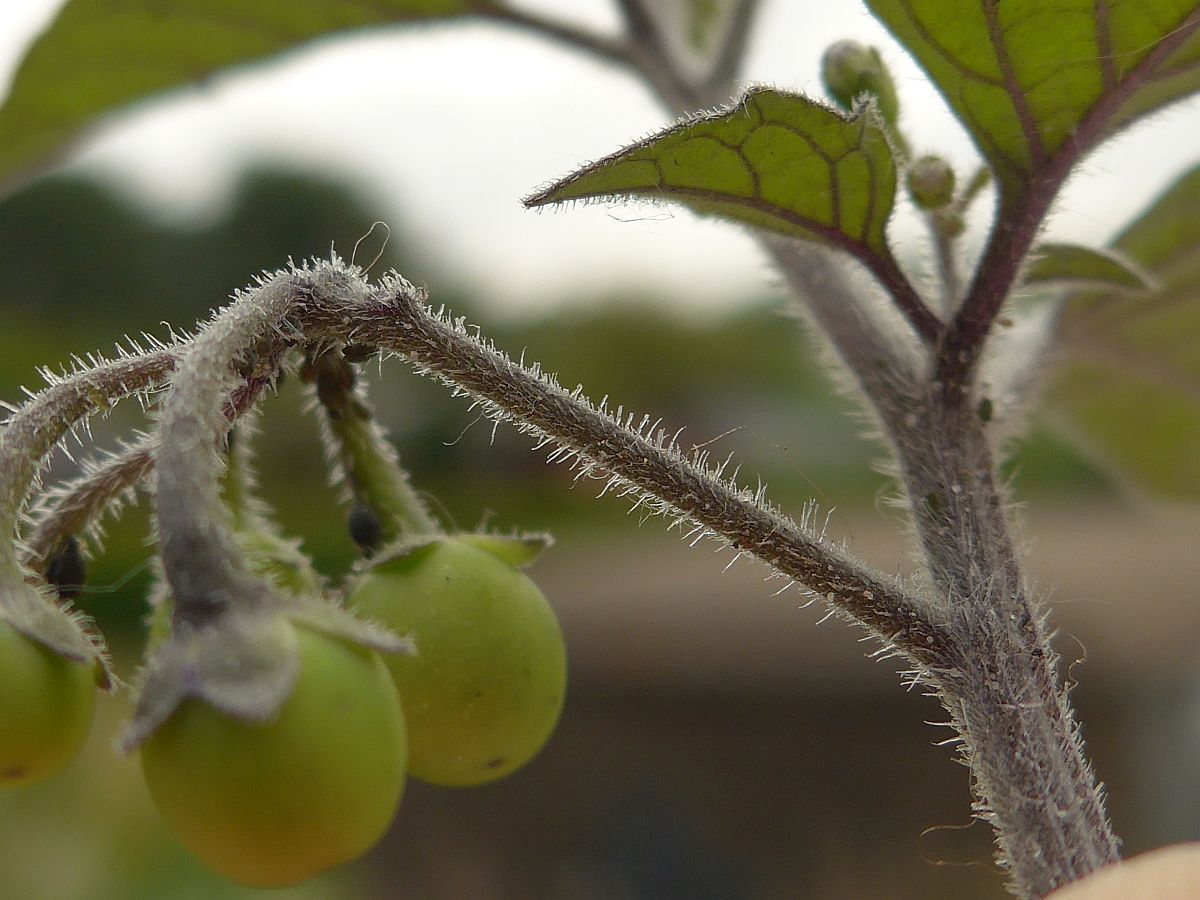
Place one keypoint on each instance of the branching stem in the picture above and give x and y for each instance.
(650, 467)
(362, 453)
(563, 33)
(73, 506)
(1027, 762)
(203, 564)
(1021, 216)
(33, 430)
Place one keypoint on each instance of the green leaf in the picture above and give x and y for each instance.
(1084, 265)
(1039, 84)
(99, 55)
(1147, 432)
(1131, 383)
(773, 160)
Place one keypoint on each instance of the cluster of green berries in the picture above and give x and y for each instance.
(272, 803)
(275, 803)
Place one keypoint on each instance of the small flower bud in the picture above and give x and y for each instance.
(365, 528)
(931, 182)
(850, 69)
(951, 223)
(66, 571)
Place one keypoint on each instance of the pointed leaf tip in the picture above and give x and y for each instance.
(518, 549)
(774, 160)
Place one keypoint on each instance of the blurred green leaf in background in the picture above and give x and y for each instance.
(99, 55)
(1130, 389)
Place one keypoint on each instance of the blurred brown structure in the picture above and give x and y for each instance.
(718, 744)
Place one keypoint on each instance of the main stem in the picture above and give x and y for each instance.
(1029, 771)
(1030, 777)
(648, 465)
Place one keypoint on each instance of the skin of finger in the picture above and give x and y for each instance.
(1171, 873)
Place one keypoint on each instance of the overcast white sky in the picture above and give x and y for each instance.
(446, 127)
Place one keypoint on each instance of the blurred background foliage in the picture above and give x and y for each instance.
(717, 764)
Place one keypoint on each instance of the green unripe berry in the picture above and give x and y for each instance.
(485, 689)
(931, 182)
(850, 69)
(46, 707)
(272, 804)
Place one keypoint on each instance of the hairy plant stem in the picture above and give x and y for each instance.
(33, 430)
(233, 642)
(873, 343)
(361, 454)
(73, 507)
(651, 468)
(1029, 772)
(1020, 738)
(980, 642)
(81, 501)
(204, 566)
(28, 435)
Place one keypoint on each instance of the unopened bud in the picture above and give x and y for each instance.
(850, 69)
(365, 528)
(931, 182)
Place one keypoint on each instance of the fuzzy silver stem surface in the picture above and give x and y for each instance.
(649, 467)
(1032, 780)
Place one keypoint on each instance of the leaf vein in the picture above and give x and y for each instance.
(1108, 72)
(1020, 102)
(955, 62)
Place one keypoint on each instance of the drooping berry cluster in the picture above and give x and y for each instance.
(275, 728)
